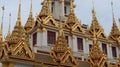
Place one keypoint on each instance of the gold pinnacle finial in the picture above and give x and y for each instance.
(71, 6)
(19, 15)
(9, 24)
(31, 9)
(19, 11)
(1, 30)
(45, 3)
(93, 9)
(113, 12)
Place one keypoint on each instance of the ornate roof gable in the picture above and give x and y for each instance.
(22, 50)
(45, 16)
(72, 22)
(96, 56)
(115, 33)
(61, 51)
(95, 26)
(17, 42)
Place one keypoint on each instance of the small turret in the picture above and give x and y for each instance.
(19, 32)
(30, 22)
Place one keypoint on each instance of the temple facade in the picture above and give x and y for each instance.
(58, 39)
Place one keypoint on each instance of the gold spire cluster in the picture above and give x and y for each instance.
(30, 22)
(16, 44)
(115, 33)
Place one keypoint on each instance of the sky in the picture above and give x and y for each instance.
(83, 12)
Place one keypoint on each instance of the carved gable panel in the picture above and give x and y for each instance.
(23, 50)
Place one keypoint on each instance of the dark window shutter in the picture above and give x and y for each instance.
(90, 46)
(51, 37)
(34, 38)
(114, 53)
(67, 39)
(80, 44)
(104, 48)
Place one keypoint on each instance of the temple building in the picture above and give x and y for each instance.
(56, 38)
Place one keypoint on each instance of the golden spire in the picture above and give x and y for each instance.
(8, 34)
(115, 33)
(1, 29)
(19, 15)
(30, 22)
(9, 24)
(31, 9)
(96, 57)
(93, 11)
(95, 26)
(71, 6)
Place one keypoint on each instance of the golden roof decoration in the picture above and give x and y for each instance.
(45, 10)
(72, 22)
(96, 57)
(96, 26)
(19, 32)
(1, 26)
(61, 51)
(45, 17)
(22, 50)
(8, 34)
(115, 33)
(30, 22)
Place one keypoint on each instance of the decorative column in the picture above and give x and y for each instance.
(74, 43)
(38, 37)
(44, 37)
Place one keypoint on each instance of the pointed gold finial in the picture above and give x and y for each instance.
(31, 9)
(93, 10)
(45, 3)
(1, 30)
(71, 6)
(8, 34)
(19, 11)
(19, 15)
(113, 12)
(9, 24)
